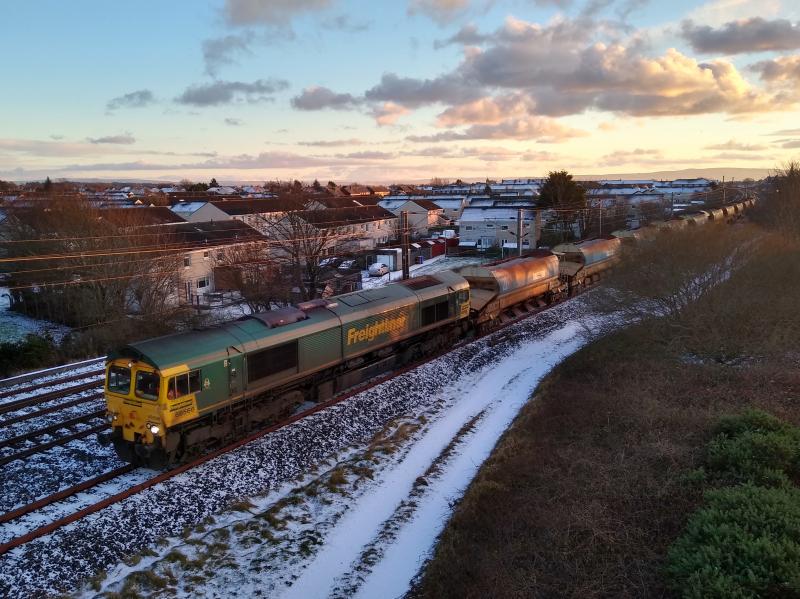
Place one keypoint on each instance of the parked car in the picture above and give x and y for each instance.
(330, 262)
(378, 269)
(349, 265)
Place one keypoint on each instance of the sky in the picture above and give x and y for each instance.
(359, 90)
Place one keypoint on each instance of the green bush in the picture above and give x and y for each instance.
(750, 420)
(754, 447)
(744, 543)
(31, 352)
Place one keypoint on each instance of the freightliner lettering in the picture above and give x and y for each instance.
(369, 332)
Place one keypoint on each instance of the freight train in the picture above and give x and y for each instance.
(180, 394)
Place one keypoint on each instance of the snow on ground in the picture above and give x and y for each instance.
(434, 265)
(14, 327)
(351, 493)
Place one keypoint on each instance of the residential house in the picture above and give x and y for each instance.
(487, 227)
(205, 246)
(327, 202)
(126, 219)
(199, 212)
(422, 214)
(352, 229)
(261, 214)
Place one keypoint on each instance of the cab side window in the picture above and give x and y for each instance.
(184, 384)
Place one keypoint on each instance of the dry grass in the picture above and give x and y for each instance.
(586, 491)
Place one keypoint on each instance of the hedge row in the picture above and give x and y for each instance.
(745, 540)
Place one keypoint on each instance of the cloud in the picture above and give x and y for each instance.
(57, 137)
(629, 156)
(747, 35)
(261, 161)
(42, 148)
(442, 11)
(269, 12)
(735, 156)
(345, 23)
(138, 99)
(561, 69)
(264, 160)
(735, 145)
(387, 113)
(220, 51)
(468, 35)
(783, 70)
(530, 127)
(232, 122)
(413, 93)
(225, 92)
(488, 110)
(320, 98)
(785, 132)
(122, 139)
(367, 155)
(331, 143)
(792, 144)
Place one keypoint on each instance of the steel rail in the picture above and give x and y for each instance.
(51, 429)
(50, 410)
(108, 501)
(50, 444)
(69, 379)
(29, 401)
(64, 494)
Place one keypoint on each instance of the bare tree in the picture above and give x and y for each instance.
(300, 245)
(70, 262)
(661, 276)
(252, 270)
(780, 205)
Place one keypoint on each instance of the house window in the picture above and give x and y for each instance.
(468, 228)
(205, 255)
(201, 283)
(187, 261)
(504, 227)
(489, 226)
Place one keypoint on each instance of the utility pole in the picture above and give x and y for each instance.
(723, 190)
(601, 218)
(519, 231)
(406, 242)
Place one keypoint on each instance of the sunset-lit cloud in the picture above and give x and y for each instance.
(461, 88)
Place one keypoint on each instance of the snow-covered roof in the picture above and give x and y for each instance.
(393, 203)
(187, 207)
(472, 214)
(448, 203)
(640, 182)
(223, 191)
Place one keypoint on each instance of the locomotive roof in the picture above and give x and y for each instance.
(195, 348)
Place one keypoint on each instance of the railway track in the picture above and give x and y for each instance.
(49, 430)
(37, 387)
(13, 406)
(531, 310)
(51, 409)
(34, 506)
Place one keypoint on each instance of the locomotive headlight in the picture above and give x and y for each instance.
(111, 417)
(155, 429)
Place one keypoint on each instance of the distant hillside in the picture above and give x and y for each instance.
(688, 173)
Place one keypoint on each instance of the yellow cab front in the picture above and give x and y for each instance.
(133, 390)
